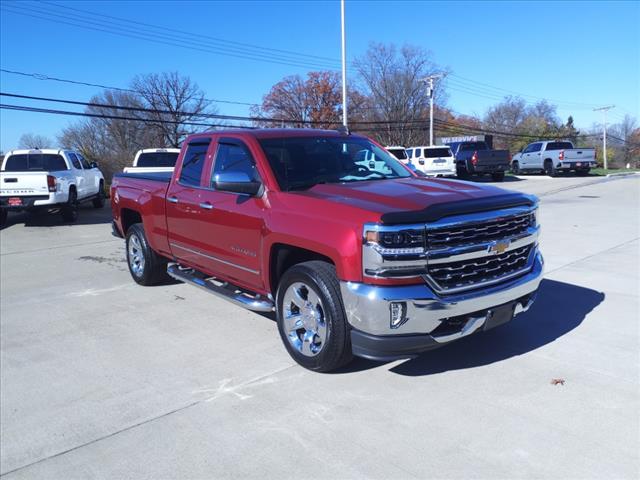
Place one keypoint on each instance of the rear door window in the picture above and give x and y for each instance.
(193, 163)
(45, 162)
(74, 161)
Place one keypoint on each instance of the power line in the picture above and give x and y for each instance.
(114, 29)
(41, 76)
(182, 32)
(24, 108)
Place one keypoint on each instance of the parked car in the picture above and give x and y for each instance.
(49, 179)
(436, 160)
(552, 157)
(476, 158)
(399, 152)
(373, 262)
(151, 160)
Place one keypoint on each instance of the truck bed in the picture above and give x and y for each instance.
(164, 177)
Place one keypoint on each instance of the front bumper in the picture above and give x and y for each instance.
(430, 320)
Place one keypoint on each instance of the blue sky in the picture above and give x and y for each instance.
(576, 54)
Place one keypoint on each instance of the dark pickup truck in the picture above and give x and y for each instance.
(355, 259)
(476, 158)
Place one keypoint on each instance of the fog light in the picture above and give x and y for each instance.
(397, 314)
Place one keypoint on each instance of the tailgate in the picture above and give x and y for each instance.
(23, 184)
(580, 155)
(487, 158)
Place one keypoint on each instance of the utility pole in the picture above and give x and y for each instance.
(429, 80)
(604, 111)
(344, 67)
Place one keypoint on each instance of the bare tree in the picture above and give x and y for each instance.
(111, 141)
(625, 136)
(33, 140)
(392, 80)
(175, 100)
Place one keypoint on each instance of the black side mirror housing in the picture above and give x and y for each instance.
(93, 164)
(237, 182)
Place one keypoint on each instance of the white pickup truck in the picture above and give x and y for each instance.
(552, 157)
(48, 179)
(154, 160)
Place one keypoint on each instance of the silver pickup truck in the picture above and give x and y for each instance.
(552, 157)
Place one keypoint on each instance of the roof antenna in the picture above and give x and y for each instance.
(344, 130)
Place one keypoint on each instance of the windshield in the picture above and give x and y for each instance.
(399, 153)
(468, 146)
(302, 162)
(559, 146)
(437, 152)
(45, 162)
(157, 159)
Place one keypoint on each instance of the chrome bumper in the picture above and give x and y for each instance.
(368, 306)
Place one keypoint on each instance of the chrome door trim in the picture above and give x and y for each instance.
(216, 259)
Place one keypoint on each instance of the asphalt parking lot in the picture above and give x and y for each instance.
(101, 378)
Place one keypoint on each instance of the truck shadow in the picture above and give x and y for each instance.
(87, 215)
(487, 179)
(559, 308)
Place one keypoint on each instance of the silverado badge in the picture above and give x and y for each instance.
(498, 247)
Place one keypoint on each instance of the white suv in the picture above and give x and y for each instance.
(46, 179)
(437, 160)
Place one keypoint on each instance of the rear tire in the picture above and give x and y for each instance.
(98, 202)
(497, 177)
(549, 169)
(3, 217)
(70, 210)
(311, 318)
(145, 265)
(462, 173)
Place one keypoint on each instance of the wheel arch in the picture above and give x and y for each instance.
(283, 256)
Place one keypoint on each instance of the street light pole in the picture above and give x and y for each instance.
(604, 111)
(429, 80)
(344, 67)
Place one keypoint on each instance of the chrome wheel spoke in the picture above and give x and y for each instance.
(293, 322)
(306, 344)
(313, 299)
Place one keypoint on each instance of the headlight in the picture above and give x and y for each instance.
(394, 251)
(391, 241)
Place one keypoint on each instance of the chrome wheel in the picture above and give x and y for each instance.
(136, 256)
(304, 319)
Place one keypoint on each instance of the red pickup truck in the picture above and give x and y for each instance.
(356, 257)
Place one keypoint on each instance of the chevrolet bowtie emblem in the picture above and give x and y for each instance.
(498, 247)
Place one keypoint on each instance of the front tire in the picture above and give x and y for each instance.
(311, 318)
(70, 210)
(3, 217)
(515, 168)
(146, 266)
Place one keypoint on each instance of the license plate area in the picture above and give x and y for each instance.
(499, 315)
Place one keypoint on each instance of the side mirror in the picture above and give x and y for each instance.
(93, 164)
(236, 182)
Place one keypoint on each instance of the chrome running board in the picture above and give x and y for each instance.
(243, 298)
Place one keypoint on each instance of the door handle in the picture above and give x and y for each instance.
(172, 199)
(206, 206)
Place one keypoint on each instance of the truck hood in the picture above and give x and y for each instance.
(409, 199)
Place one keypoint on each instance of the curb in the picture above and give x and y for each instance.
(622, 174)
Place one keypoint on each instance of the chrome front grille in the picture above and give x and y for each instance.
(470, 233)
(454, 276)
